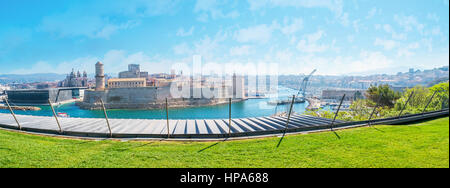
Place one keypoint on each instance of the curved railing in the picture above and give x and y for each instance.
(192, 129)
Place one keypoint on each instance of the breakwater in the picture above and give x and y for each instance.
(22, 108)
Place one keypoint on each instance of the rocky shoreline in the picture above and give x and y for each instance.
(179, 103)
(22, 108)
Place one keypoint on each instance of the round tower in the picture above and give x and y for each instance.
(99, 77)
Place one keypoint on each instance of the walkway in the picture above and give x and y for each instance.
(144, 128)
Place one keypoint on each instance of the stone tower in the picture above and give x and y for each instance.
(99, 77)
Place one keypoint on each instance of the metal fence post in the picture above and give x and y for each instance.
(14, 115)
(56, 117)
(106, 117)
(443, 102)
(276, 110)
(287, 122)
(289, 115)
(337, 112)
(167, 118)
(406, 104)
(374, 109)
(431, 99)
(229, 117)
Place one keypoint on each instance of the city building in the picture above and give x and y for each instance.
(335, 95)
(39, 96)
(134, 71)
(238, 87)
(4, 88)
(75, 80)
(127, 82)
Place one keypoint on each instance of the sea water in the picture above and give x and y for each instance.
(244, 109)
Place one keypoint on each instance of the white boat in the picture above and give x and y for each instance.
(64, 115)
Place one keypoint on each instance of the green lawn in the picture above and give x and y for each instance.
(417, 145)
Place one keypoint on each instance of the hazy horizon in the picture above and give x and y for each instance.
(116, 74)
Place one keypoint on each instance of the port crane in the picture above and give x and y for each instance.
(302, 91)
(304, 85)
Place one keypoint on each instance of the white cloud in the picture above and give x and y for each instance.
(295, 26)
(435, 31)
(388, 28)
(397, 36)
(38, 67)
(409, 23)
(183, 33)
(433, 17)
(81, 64)
(260, 34)
(182, 49)
(336, 65)
(335, 6)
(91, 26)
(428, 43)
(356, 25)
(310, 45)
(240, 50)
(90, 21)
(432, 60)
(387, 44)
(350, 38)
(203, 17)
(369, 61)
(332, 5)
(212, 9)
(377, 26)
(372, 13)
(344, 19)
(208, 47)
(115, 61)
(118, 60)
(284, 56)
(406, 51)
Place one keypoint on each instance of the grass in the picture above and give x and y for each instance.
(419, 145)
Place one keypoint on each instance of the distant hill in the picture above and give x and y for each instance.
(38, 77)
(27, 78)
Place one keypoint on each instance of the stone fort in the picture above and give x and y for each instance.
(151, 97)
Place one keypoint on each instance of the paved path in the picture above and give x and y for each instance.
(144, 128)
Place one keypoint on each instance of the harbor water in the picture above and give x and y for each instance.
(244, 109)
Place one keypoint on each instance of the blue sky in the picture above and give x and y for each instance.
(333, 36)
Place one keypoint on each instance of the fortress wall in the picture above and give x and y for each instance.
(140, 98)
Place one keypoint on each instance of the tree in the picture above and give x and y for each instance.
(358, 95)
(383, 95)
(442, 96)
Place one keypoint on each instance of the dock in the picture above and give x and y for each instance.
(287, 101)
